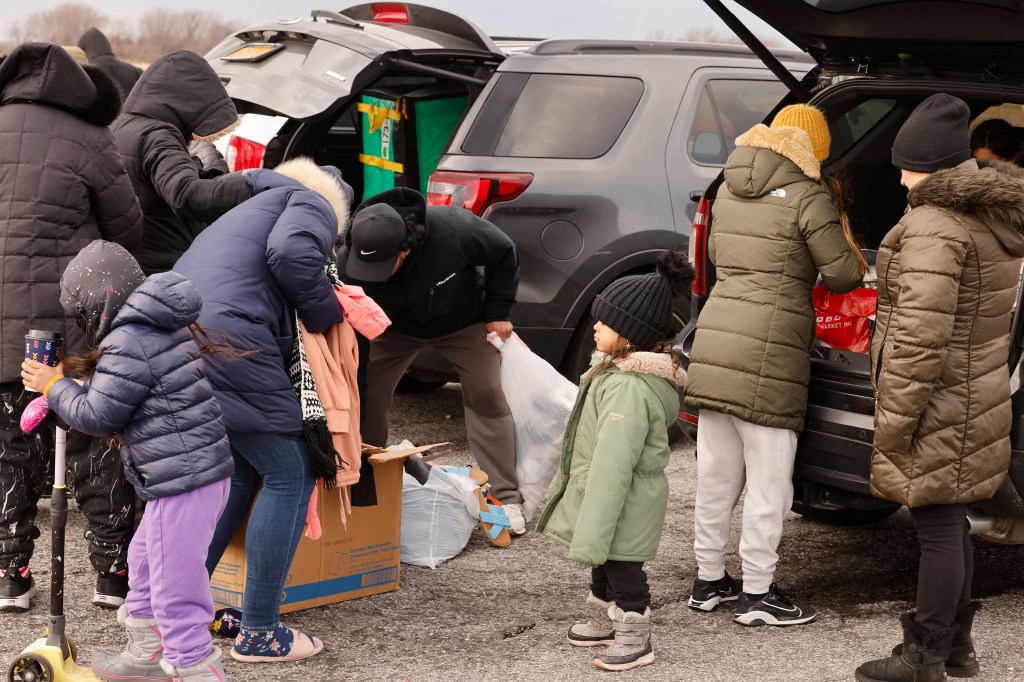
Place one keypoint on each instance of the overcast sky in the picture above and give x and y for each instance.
(531, 18)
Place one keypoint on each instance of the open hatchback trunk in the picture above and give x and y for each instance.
(375, 89)
(878, 59)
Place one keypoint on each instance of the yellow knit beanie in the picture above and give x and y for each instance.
(810, 120)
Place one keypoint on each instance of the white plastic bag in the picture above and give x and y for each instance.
(438, 517)
(541, 401)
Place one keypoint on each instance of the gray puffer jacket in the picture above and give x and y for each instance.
(63, 185)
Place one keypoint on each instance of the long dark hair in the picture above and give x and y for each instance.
(840, 189)
(84, 365)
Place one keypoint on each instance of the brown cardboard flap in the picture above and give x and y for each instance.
(380, 455)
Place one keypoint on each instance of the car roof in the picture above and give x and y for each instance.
(653, 47)
(955, 36)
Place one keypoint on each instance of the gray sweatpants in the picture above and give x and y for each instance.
(731, 452)
(488, 419)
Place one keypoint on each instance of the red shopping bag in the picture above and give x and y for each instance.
(844, 320)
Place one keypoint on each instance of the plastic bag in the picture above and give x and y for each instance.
(541, 401)
(845, 321)
(438, 517)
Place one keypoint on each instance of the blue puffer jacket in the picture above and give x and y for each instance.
(254, 267)
(150, 384)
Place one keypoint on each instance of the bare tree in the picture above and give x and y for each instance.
(161, 31)
(62, 24)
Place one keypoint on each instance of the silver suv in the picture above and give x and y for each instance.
(592, 156)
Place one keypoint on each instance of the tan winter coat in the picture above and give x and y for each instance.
(947, 280)
(774, 230)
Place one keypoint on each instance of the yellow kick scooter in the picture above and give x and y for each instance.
(52, 658)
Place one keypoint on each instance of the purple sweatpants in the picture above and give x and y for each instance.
(167, 570)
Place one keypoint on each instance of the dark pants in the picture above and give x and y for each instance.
(623, 582)
(94, 474)
(946, 565)
(488, 420)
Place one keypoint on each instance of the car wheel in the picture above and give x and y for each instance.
(845, 516)
(408, 384)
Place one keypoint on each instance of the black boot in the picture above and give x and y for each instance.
(962, 661)
(922, 658)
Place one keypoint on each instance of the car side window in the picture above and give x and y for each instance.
(553, 115)
(726, 109)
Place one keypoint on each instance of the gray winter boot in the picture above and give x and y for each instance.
(140, 661)
(632, 647)
(207, 670)
(921, 659)
(597, 631)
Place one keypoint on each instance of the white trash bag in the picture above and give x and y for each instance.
(438, 517)
(541, 401)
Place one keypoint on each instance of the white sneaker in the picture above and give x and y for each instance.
(514, 512)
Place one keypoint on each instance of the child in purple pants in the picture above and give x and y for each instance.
(147, 390)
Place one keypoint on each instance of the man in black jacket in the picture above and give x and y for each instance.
(446, 278)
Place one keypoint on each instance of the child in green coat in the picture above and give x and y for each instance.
(607, 502)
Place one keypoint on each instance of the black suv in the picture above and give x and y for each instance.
(878, 59)
(592, 156)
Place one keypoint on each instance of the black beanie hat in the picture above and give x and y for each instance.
(639, 307)
(934, 137)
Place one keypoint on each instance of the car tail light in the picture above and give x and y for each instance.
(688, 418)
(699, 247)
(243, 154)
(390, 12)
(475, 191)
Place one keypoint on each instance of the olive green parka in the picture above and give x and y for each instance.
(609, 497)
(775, 229)
(947, 281)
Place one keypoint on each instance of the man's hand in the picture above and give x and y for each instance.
(502, 328)
(36, 375)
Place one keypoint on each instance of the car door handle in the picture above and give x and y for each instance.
(696, 195)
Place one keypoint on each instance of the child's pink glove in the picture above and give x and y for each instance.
(34, 414)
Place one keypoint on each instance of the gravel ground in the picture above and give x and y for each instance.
(502, 613)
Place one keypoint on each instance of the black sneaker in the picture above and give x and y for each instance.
(111, 589)
(16, 592)
(774, 608)
(708, 594)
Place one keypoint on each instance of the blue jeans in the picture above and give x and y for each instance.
(278, 516)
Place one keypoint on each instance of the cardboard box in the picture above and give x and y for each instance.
(345, 563)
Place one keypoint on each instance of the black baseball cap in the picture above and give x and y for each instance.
(378, 233)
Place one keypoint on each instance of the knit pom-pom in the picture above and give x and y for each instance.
(674, 267)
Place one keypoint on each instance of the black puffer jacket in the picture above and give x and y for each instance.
(63, 185)
(177, 99)
(97, 49)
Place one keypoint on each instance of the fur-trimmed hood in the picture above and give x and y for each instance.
(642, 362)
(989, 190)
(48, 74)
(786, 141)
(337, 192)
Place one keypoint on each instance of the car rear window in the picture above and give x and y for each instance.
(726, 109)
(553, 115)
